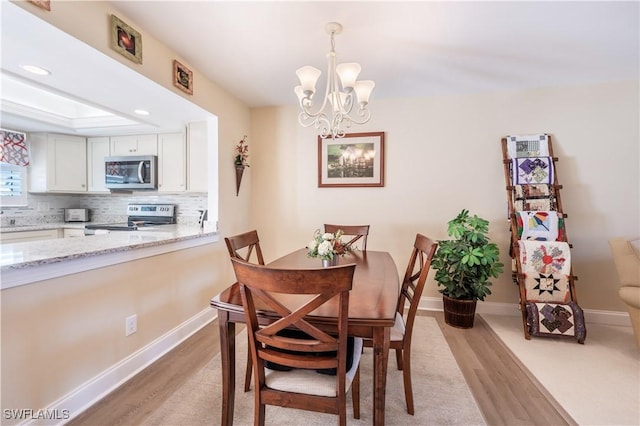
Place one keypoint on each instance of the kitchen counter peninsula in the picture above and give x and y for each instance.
(27, 262)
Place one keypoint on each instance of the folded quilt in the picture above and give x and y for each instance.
(546, 266)
(532, 170)
(528, 145)
(541, 204)
(538, 225)
(550, 319)
(522, 192)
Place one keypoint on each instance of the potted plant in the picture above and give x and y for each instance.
(464, 265)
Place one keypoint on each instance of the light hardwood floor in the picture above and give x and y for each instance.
(502, 387)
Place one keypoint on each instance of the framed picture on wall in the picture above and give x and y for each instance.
(355, 160)
(182, 77)
(125, 40)
(43, 4)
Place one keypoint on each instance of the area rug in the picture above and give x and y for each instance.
(441, 395)
(597, 383)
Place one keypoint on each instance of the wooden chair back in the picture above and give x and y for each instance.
(266, 289)
(357, 231)
(242, 246)
(415, 278)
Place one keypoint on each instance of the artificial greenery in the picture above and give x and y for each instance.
(465, 263)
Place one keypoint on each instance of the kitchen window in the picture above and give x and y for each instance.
(13, 185)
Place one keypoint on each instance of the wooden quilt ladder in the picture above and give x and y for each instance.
(533, 193)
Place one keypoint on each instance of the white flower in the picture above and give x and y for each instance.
(312, 246)
(328, 236)
(325, 248)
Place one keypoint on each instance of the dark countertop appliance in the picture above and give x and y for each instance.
(139, 216)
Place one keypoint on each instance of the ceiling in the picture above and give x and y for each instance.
(410, 49)
(418, 48)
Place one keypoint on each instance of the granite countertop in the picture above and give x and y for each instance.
(33, 253)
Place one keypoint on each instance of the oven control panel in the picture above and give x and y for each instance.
(157, 210)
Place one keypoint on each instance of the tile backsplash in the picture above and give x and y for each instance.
(108, 208)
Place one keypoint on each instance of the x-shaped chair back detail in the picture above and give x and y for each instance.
(413, 283)
(357, 231)
(242, 246)
(415, 278)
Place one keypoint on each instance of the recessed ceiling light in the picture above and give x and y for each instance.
(141, 112)
(36, 69)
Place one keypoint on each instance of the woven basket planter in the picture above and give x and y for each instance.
(459, 313)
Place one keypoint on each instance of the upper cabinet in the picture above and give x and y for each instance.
(198, 156)
(73, 164)
(134, 145)
(97, 149)
(58, 163)
(172, 163)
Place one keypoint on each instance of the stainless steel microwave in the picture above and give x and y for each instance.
(134, 172)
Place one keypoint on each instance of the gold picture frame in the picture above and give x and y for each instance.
(42, 4)
(182, 77)
(355, 160)
(125, 40)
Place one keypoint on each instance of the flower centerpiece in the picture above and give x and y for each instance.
(328, 247)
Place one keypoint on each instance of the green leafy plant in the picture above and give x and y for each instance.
(465, 263)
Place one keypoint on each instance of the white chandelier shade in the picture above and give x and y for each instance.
(336, 113)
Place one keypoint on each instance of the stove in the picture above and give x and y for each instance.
(139, 216)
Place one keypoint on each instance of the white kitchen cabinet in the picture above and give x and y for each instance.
(58, 163)
(97, 149)
(197, 156)
(24, 236)
(172, 162)
(134, 145)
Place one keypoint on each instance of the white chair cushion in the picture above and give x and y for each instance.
(308, 381)
(397, 332)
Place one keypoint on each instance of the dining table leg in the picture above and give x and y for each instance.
(228, 356)
(380, 358)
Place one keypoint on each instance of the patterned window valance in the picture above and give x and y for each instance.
(14, 148)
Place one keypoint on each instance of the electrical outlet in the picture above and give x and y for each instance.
(130, 325)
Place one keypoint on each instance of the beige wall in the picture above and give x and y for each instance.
(443, 154)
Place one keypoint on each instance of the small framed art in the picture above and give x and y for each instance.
(355, 160)
(125, 40)
(43, 4)
(182, 77)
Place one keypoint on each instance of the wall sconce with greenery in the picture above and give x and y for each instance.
(241, 161)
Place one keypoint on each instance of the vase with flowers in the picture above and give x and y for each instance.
(328, 247)
(241, 161)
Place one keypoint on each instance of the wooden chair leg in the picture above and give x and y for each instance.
(355, 394)
(399, 358)
(247, 378)
(406, 373)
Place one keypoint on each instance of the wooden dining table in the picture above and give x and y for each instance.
(372, 308)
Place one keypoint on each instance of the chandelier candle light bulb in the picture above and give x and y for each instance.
(333, 122)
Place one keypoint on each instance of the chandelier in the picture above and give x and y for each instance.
(337, 111)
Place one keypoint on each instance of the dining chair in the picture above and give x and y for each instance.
(299, 384)
(357, 231)
(412, 286)
(242, 246)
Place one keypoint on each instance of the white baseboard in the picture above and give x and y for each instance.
(591, 316)
(83, 397)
